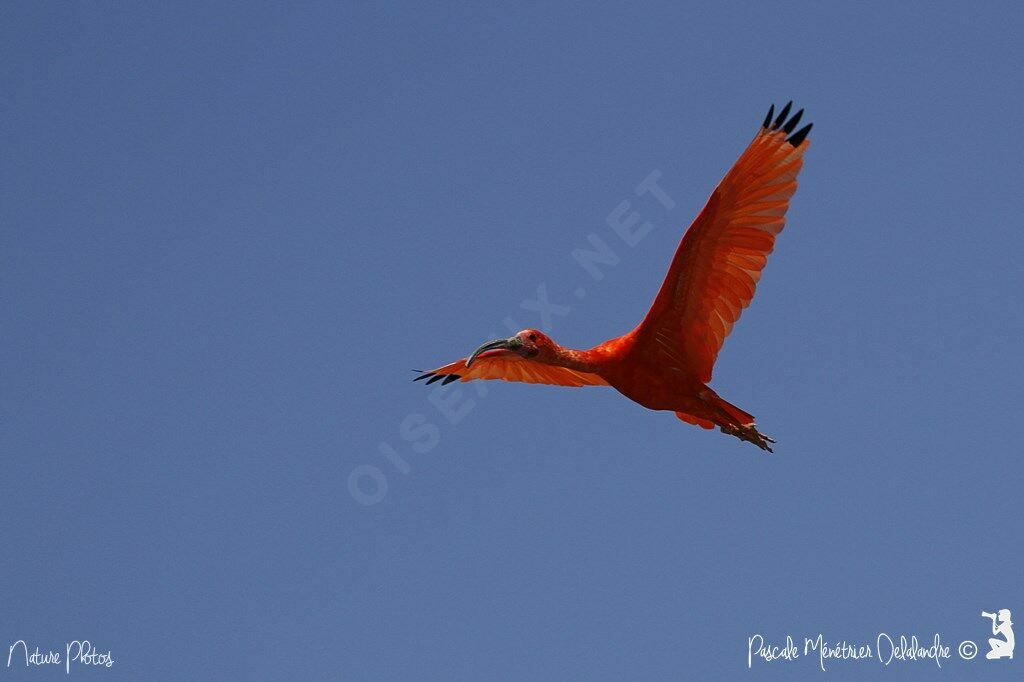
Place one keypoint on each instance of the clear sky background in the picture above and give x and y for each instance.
(228, 232)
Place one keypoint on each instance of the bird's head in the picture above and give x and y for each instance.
(529, 343)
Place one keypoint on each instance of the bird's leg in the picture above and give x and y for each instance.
(749, 434)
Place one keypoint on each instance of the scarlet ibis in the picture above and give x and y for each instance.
(665, 363)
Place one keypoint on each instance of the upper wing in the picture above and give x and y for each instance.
(719, 261)
(508, 366)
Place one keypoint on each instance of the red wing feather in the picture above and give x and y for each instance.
(510, 367)
(716, 268)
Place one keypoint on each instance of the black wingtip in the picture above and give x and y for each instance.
(431, 377)
(791, 123)
(800, 135)
(782, 115)
(768, 118)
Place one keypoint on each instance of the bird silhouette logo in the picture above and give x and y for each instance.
(665, 363)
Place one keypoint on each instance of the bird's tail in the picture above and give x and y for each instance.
(716, 412)
(730, 414)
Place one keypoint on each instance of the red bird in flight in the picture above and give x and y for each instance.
(666, 362)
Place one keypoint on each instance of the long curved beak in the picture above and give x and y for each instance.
(502, 344)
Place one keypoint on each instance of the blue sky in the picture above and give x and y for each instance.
(228, 232)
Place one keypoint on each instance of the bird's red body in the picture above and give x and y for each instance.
(666, 362)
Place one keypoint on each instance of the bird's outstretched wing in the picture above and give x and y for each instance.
(510, 367)
(719, 261)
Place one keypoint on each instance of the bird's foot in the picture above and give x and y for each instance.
(749, 434)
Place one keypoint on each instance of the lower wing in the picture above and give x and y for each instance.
(510, 367)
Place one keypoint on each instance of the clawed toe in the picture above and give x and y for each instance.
(749, 434)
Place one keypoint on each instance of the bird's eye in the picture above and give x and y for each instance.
(533, 337)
